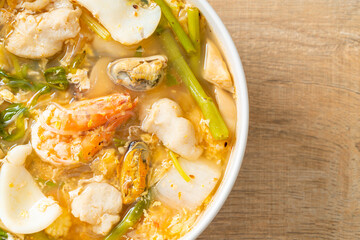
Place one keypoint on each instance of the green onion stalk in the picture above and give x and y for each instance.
(94, 25)
(216, 125)
(131, 218)
(176, 27)
(194, 33)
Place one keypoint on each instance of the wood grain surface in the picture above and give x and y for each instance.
(301, 173)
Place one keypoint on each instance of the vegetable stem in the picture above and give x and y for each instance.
(178, 166)
(43, 90)
(194, 26)
(216, 125)
(131, 218)
(94, 25)
(175, 25)
(16, 65)
(194, 33)
(77, 61)
(139, 51)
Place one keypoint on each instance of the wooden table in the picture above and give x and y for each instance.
(301, 173)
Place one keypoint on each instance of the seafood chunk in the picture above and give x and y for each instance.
(88, 114)
(177, 133)
(134, 170)
(99, 204)
(138, 74)
(126, 24)
(69, 136)
(24, 209)
(42, 35)
(215, 69)
(36, 5)
(227, 107)
(173, 191)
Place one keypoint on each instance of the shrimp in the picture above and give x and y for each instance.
(65, 136)
(86, 115)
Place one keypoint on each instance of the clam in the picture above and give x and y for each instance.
(138, 74)
(134, 170)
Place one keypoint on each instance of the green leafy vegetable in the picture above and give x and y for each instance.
(56, 78)
(139, 51)
(12, 122)
(175, 25)
(178, 166)
(3, 235)
(131, 218)
(217, 125)
(14, 82)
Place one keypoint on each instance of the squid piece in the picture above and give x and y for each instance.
(177, 133)
(126, 24)
(138, 74)
(134, 171)
(174, 191)
(64, 136)
(215, 69)
(24, 209)
(227, 107)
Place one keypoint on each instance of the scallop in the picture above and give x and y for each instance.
(134, 171)
(138, 74)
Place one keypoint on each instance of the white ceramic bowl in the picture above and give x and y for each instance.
(242, 104)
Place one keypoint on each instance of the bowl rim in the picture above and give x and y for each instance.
(231, 173)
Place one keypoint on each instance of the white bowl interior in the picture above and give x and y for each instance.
(231, 55)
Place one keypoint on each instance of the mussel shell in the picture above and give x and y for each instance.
(138, 74)
(134, 171)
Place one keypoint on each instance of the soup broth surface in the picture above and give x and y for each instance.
(100, 149)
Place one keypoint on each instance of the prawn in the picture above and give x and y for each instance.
(65, 136)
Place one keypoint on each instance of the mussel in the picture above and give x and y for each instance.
(138, 74)
(134, 171)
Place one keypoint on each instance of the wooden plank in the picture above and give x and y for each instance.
(300, 177)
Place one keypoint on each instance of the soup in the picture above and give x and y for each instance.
(117, 119)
